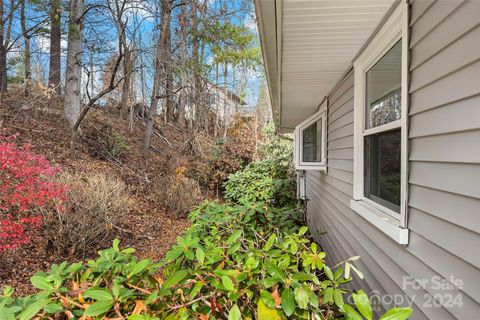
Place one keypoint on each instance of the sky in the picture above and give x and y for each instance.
(100, 26)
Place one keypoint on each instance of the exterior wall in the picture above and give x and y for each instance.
(444, 171)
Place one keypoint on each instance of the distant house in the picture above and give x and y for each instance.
(384, 100)
(234, 104)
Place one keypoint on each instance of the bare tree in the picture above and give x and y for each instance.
(73, 77)
(182, 100)
(26, 36)
(166, 7)
(54, 76)
(118, 11)
(6, 20)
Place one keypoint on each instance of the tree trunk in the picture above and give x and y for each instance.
(3, 66)
(183, 55)
(126, 101)
(54, 76)
(5, 42)
(73, 76)
(195, 98)
(26, 36)
(225, 101)
(169, 103)
(159, 56)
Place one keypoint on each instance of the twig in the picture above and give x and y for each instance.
(139, 289)
(191, 302)
(71, 301)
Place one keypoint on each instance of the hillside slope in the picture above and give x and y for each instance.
(148, 226)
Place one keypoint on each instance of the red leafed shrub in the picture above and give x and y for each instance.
(26, 188)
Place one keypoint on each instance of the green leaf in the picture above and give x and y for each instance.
(140, 266)
(302, 276)
(267, 298)
(234, 236)
(351, 313)
(302, 230)
(175, 278)
(328, 272)
(274, 270)
(8, 291)
(338, 297)
(116, 242)
(266, 313)
(269, 282)
(53, 308)
(328, 295)
(397, 314)
(302, 296)
(98, 308)
(196, 289)
(200, 254)
(116, 290)
(234, 248)
(100, 295)
(234, 313)
(33, 309)
(41, 283)
(174, 253)
(270, 242)
(288, 302)
(363, 304)
(227, 283)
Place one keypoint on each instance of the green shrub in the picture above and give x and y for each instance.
(276, 147)
(236, 261)
(263, 181)
(246, 259)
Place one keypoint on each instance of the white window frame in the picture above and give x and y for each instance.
(392, 223)
(298, 154)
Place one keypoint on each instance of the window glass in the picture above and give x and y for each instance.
(383, 100)
(312, 142)
(382, 168)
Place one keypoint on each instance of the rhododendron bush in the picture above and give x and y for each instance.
(26, 189)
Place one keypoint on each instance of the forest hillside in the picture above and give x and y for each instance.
(151, 194)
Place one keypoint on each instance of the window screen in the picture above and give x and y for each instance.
(383, 89)
(312, 142)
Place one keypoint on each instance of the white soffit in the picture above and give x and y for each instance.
(319, 39)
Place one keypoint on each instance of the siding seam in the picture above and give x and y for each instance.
(412, 44)
(437, 189)
(412, 68)
(447, 103)
(464, 66)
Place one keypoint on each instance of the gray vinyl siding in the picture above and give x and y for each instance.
(444, 170)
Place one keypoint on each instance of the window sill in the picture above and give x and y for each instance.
(311, 167)
(387, 224)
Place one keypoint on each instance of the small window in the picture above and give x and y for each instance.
(380, 128)
(310, 143)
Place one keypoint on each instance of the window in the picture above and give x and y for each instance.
(382, 149)
(380, 133)
(310, 142)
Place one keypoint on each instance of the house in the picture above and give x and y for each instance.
(384, 99)
(225, 104)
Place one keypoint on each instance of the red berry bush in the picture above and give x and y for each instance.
(26, 190)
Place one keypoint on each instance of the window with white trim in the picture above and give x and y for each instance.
(380, 133)
(310, 143)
